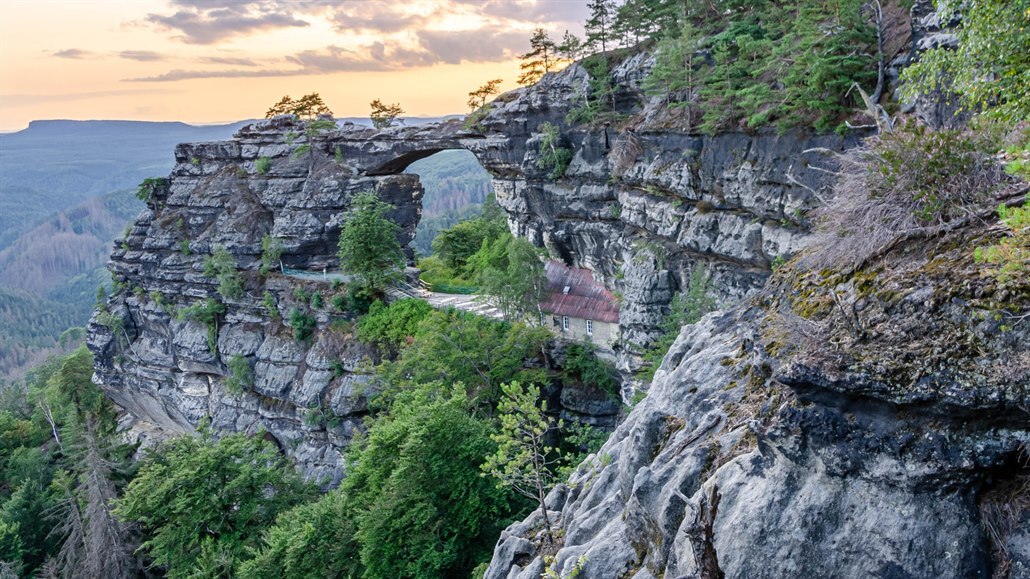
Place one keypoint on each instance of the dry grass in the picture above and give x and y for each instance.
(1002, 510)
(913, 182)
(625, 152)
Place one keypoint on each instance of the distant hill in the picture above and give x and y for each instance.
(54, 165)
(66, 192)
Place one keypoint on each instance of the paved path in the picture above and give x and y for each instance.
(468, 303)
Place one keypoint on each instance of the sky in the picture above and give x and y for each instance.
(211, 61)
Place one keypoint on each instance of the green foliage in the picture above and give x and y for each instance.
(1011, 255)
(539, 60)
(184, 247)
(455, 245)
(271, 251)
(578, 442)
(59, 463)
(510, 273)
(309, 106)
(582, 364)
(311, 541)
(523, 461)
(597, 102)
(303, 324)
(477, 98)
(792, 70)
(205, 312)
(312, 130)
(937, 173)
(270, 305)
(684, 310)
(570, 48)
(391, 327)
(241, 374)
(316, 301)
(551, 156)
(263, 165)
(675, 75)
(477, 104)
(428, 513)
(369, 250)
(195, 497)
(599, 25)
(438, 277)
(221, 265)
(148, 186)
(452, 346)
(989, 68)
(383, 115)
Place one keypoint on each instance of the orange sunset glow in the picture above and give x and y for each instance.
(206, 61)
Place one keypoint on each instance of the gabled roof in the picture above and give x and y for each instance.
(572, 291)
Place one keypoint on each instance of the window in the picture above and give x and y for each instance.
(590, 327)
(565, 323)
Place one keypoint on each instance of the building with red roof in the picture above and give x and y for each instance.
(577, 307)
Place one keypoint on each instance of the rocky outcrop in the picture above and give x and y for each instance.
(642, 207)
(872, 424)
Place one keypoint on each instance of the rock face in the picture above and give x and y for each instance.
(889, 441)
(730, 203)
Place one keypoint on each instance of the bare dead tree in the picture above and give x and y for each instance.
(95, 543)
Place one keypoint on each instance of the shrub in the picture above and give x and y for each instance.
(271, 251)
(302, 323)
(1011, 255)
(898, 184)
(392, 326)
(205, 312)
(147, 187)
(241, 375)
(221, 266)
(263, 165)
(316, 301)
(268, 301)
(552, 157)
(582, 364)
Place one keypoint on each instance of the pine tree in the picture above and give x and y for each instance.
(599, 26)
(539, 60)
(523, 461)
(384, 115)
(571, 47)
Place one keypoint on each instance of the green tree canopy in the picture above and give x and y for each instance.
(539, 60)
(510, 274)
(201, 503)
(524, 462)
(452, 347)
(426, 511)
(384, 115)
(307, 107)
(477, 98)
(368, 248)
(599, 25)
(990, 68)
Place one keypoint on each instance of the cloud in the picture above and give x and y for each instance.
(179, 74)
(28, 100)
(230, 61)
(202, 22)
(73, 53)
(482, 45)
(141, 55)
